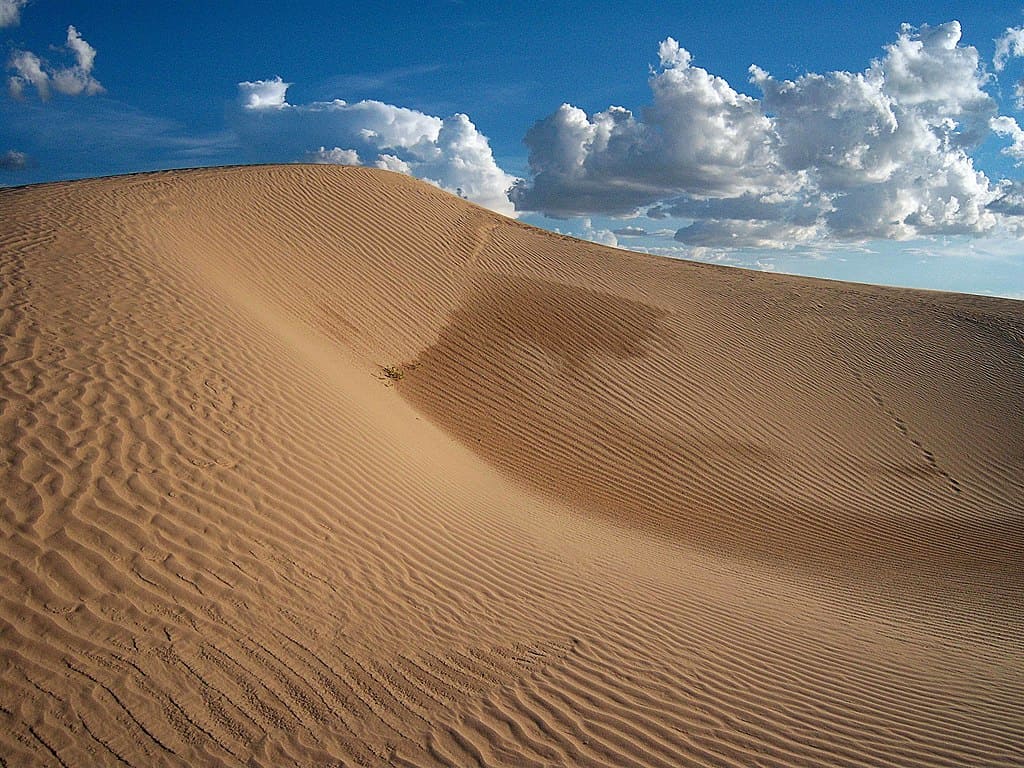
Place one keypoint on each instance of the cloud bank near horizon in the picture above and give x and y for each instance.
(449, 152)
(886, 153)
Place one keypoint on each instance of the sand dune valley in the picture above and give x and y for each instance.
(319, 465)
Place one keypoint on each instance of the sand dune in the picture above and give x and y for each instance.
(617, 510)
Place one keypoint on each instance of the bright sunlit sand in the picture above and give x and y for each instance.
(312, 465)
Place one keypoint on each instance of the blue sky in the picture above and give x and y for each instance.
(870, 142)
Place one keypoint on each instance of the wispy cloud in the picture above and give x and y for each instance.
(629, 231)
(75, 138)
(375, 82)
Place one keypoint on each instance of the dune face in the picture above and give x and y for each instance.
(606, 509)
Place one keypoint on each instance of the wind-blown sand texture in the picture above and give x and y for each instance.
(618, 510)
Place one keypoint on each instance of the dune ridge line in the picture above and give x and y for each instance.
(318, 465)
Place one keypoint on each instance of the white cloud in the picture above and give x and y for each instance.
(888, 148)
(598, 234)
(85, 54)
(630, 231)
(336, 156)
(10, 12)
(1010, 200)
(448, 152)
(699, 137)
(12, 160)
(263, 94)
(392, 163)
(1007, 127)
(928, 66)
(1009, 44)
(718, 233)
(30, 70)
(882, 153)
(78, 78)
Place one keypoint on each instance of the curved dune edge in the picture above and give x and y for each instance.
(618, 510)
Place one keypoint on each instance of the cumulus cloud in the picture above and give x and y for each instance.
(12, 160)
(1010, 200)
(336, 156)
(30, 70)
(888, 147)
(263, 94)
(448, 152)
(394, 163)
(10, 12)
(78, 78)
(699, 136)
(1007, 127)
(881, 153)
(1008, 45)
(598, 234)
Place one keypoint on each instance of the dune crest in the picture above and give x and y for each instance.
(312, 465)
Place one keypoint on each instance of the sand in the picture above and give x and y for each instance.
(607, 509)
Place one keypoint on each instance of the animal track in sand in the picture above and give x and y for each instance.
(904, 430)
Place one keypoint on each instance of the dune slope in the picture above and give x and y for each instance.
(608, 509)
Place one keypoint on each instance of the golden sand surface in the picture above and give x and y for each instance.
(312, 465)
